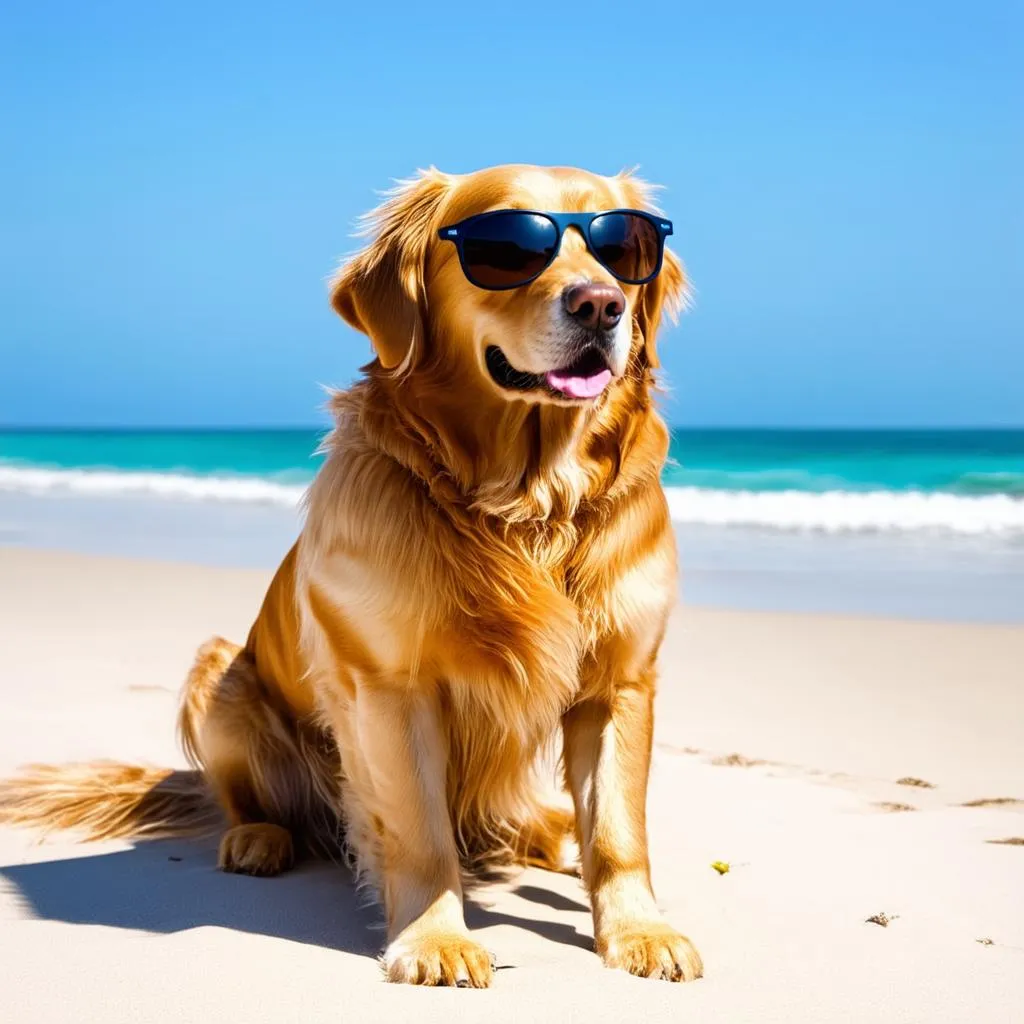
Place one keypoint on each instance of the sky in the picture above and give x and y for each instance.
(178, 181)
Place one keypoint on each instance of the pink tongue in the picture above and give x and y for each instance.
(579, 387)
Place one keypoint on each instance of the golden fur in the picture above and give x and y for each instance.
(480, 574)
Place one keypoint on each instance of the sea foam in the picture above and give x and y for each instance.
(100, 483)
(849, 511)
(834, 511)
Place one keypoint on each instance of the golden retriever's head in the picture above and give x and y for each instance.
(535, 343)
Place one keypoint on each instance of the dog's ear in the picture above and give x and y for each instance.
(380, 291)
(667, 293)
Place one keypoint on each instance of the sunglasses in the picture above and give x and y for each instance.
(510, 248)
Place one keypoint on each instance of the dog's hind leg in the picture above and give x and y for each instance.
(254, 758)
(547, 840)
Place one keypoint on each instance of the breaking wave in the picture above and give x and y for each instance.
(849, 511)
(835, 511)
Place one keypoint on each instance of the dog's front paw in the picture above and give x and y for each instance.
(650, 950)
(438, 958)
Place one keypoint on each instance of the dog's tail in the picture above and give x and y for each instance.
(107, 800)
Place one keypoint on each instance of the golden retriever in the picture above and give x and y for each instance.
(487, 566)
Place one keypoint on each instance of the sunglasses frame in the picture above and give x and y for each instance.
(456, 233)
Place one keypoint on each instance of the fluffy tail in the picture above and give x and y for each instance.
(107, 800)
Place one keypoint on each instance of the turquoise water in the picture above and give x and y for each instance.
(964, 462)
(961, 481)
(971, 462)
(285, 455)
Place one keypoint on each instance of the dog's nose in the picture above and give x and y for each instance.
(595, 306)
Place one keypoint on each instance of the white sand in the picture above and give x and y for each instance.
(95, 649)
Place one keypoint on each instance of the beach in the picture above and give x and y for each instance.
(780, 741)
(223, 268)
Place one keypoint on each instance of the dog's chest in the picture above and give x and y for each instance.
(541, 629)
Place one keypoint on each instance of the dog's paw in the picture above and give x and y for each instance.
(444, 958)
(651, 950)
(261, 849)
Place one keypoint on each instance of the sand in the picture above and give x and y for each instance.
(779, 742)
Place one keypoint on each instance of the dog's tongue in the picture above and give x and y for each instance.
(576, 385)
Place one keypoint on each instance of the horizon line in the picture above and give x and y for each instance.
(240, 428)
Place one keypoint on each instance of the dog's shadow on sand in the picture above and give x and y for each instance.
(169, 886)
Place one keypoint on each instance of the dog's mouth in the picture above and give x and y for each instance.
(586, 377)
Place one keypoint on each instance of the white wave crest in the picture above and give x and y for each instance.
(849, 511)
(829, 512)
(111, 483)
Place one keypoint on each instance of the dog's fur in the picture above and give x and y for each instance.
(479, 573)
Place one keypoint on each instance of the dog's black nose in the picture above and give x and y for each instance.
(595, 306)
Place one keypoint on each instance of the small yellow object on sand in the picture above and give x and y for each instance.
(720, 866)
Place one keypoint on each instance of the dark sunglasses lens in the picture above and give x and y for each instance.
(507, 249)
(628, 245)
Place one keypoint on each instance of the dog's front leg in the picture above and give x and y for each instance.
(403, 750)
(607, 759)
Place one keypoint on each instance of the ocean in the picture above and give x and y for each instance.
(926, 523)
(937, 481)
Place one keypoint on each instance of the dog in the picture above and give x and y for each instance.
(487, 567)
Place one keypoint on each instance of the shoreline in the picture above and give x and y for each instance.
(955, 579)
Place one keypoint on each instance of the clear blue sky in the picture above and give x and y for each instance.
(178, 179)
